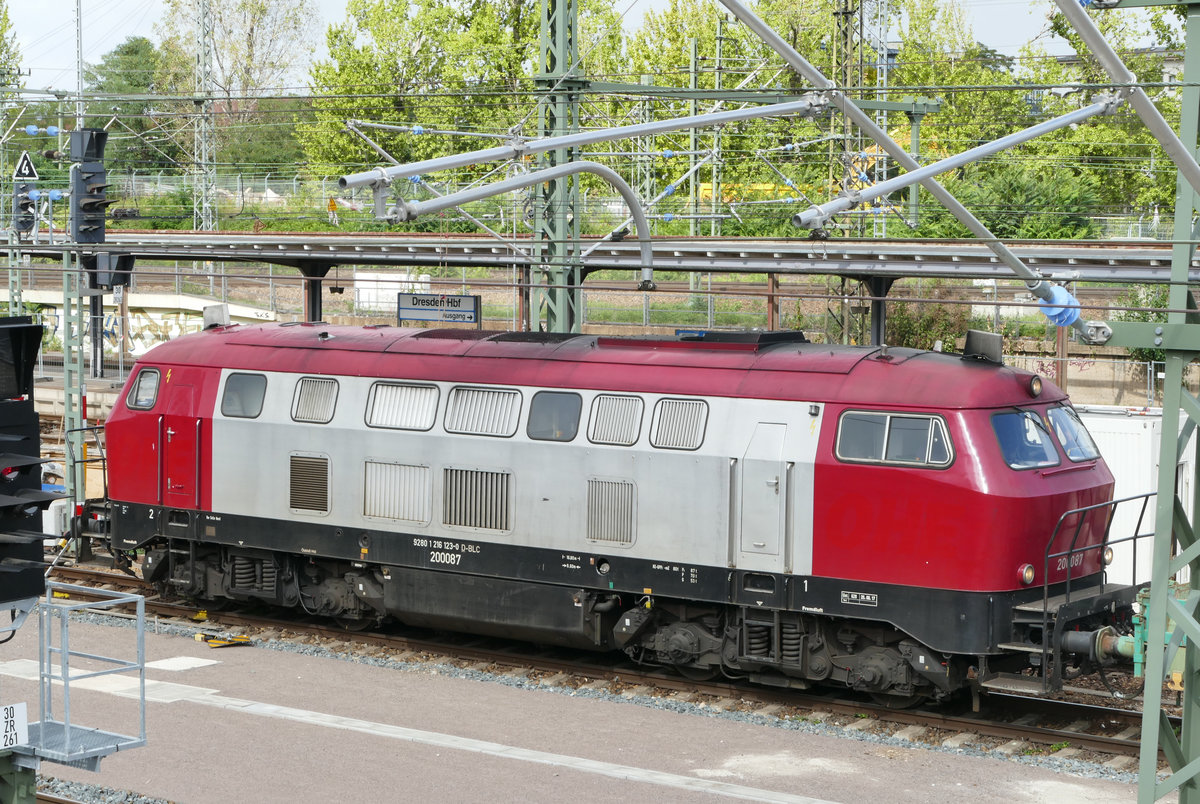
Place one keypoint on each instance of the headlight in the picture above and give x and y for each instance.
(1035, 386)
(1108, 556)
(1027, 574)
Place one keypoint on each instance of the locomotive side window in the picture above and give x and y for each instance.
(679, 423)
(314, 400)
(243, 396)
(1075, 439)
(483, 411)
(1024, 440)
(615, 420)
(861, 436)
(893, 438)
(145, 391)
(554, 416)
(402, 406)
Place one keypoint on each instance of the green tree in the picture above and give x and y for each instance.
(920, 325)
(258, 46)
(136, 141)
(1145, 304)
(1016, 201)
(10, 52)
(1129, 169)
(426, 65)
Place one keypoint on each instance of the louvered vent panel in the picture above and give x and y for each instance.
(610, 512)
(309, 488)
(476, 499)
(406, 407)
(483, 411)
(396, 491)
(315, 399)
(616, 420)
(680, 424)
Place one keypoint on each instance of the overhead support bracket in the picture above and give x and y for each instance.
(1043, 290)
(808, 105)
(817, 216)
(410, 210)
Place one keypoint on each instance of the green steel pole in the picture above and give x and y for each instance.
(1156, 731)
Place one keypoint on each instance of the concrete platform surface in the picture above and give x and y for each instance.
(254, 724)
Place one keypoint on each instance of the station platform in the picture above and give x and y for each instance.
(250, 723)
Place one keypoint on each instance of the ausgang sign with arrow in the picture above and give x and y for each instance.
(25, 170)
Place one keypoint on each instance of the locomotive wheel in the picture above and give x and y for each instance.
(898, 701)
(697, 673)
(353, 624)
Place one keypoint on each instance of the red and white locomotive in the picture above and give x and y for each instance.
(747, 503)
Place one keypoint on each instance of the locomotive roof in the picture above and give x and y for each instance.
(771, 365)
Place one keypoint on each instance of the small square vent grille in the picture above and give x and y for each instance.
(309, 483)
(610, 511)
(472, 498)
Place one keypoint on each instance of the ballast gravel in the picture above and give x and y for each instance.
(346, 652)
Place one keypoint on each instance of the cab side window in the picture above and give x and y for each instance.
(144, 392)
(243, 397)
(554, 416)
(893, 438)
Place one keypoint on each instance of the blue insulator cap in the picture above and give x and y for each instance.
(418, 129)
(668, 153)
(1062, 309)
(31, 130)
(789, 199)
(668, 217)
(669, 189)
(416, 179)
(56, 195)
(791, 146)
(789, 183)
(52, 131)
(34, 195)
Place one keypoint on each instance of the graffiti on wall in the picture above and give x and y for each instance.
(146, 327)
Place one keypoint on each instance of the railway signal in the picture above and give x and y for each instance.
(107, 270)
(89, 180)
(25, 197)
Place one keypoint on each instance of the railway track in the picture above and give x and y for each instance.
(1008, 724)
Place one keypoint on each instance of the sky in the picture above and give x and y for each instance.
(46, 30)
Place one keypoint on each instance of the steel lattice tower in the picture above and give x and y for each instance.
(556, 224)
(204, 201)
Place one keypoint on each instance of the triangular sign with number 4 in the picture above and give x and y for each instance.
(25, 170)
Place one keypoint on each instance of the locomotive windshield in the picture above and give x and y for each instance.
(1076, 440)
(1024, 440)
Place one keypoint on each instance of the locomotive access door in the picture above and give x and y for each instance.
(764, 500)
(179, 446)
